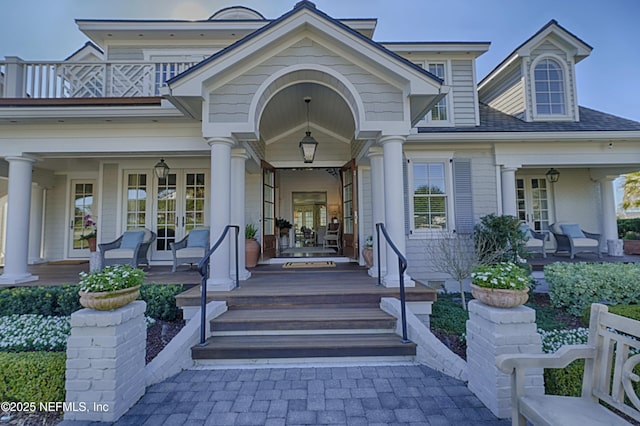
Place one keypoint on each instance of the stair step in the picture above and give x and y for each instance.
(303, 346)
(314, 318)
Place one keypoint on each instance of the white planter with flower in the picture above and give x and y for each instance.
(503, 285)
(113, 287)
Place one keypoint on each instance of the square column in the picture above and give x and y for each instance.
(238, 159)
(18, 208)
(219, 276)
(377, 204)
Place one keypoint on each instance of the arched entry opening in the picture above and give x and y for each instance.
(317, 198)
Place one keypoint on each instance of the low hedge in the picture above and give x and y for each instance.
(629, 311)
(32, 376)
(64, 300)
(574, 286)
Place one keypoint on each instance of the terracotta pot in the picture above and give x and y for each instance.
(631, 246)
(92, 244)
(109, 300)
(251, 253)
(367, 254)
(500, 298)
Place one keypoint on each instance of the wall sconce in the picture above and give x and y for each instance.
(308, 144)
(161, 169)
(553, 175)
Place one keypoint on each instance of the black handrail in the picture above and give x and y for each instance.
(203, 268)
(402, 266)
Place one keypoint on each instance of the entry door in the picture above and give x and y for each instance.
(82, 206)
(534, 202)
(350, 210)
(180, 206)
(268, 211)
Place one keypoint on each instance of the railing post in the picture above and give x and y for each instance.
(378, 253)
(14, 77)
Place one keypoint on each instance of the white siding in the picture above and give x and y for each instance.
(56, 226)
(464, 108)
(508, 96)
(108, 215)
(126, 53)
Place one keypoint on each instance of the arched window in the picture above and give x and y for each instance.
(549, 83)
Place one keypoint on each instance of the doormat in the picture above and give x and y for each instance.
(68, 262)
(294, 265)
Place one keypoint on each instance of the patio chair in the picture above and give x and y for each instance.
(572, 239)
(130, 248)
(191, 249)
(332, 236)
(535, 240)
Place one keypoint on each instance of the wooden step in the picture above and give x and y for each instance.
(303, 346)
(312, 318)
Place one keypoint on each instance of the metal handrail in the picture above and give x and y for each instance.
(402, 266)
(203, 268)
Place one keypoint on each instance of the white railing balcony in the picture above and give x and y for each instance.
(92, 79)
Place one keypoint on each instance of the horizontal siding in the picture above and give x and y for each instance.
(464, 110)
(509, 96)
(125, 53)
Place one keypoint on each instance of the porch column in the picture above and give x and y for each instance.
(377, 204)
(609, 222)
(394, 206)
(219, 277)
(35, 227)
(18, 207)
(238, 159)
(509, 203)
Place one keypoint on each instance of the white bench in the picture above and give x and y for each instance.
(608, 376)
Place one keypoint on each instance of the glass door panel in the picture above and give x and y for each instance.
(533, 202)
(82, 209)
(166, 212)
(195, 201)
(137, 191)
(268, 211)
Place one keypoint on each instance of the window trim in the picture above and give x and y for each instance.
(445, 158)
(565, 82)
(448, 78)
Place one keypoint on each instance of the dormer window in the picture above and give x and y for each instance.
(549, 88)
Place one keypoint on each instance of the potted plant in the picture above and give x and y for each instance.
(251, 245)
(631, 242)
(90, 237)
(283, 225)
(367, 251)
(502, 285)
(111, 288)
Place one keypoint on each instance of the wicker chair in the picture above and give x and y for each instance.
(130, 248)
(191, 249)
(535, 240)
(570, 238)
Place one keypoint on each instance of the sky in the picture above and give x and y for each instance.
(608, 80)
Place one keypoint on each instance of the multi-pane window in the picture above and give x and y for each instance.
(429, 196)
(136, 200)
(549, 86)
(439, 112)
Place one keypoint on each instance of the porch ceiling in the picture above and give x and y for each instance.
(287, 111)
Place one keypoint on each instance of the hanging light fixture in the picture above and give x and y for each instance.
(162, 169)
(308, 144)
(553, 175)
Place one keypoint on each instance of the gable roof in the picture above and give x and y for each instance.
(492, 120)
(310, 6)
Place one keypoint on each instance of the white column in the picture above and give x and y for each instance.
(238, 159)
(509, 203)
(394, 206)
(377, 204)
(35, 227)
(219, 277)
(18, 206)
(609, 222)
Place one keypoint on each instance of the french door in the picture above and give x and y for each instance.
(350, 210)
(82, 209)
(268, 211)
(534, 202)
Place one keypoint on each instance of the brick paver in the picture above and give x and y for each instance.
(367, 395)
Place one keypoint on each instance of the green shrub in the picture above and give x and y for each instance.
(564, 381)
(32, 376)
(575, 286)
(629, 311)
(626, 225)
(29, 332)
(161, 301)
(502, 235)
(449, 316)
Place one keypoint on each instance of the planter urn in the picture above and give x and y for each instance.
(500, 298)
(109, 300)
(251, 252)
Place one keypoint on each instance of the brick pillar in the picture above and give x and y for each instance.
(496, 331)
(105, 362)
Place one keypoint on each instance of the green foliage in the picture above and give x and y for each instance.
(564, 381)
(29, 332)
(575, 286)
(111, 278)
(504, 236)
(629, 311)
(48, 301)
(547, 317)
(626, 225)
(632, 235)
(505, 275)
(161, 301)
(283, 223)
(449, 316)
(32, 376)
(250, 231)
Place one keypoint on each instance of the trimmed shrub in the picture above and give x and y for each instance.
(626, 225)
(161, 301)
(32, 376)
(629, 311)
(449, 316)
(575, 286)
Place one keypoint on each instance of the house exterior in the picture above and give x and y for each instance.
(406, 136)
